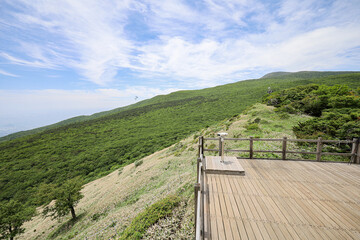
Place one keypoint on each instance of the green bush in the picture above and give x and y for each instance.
(336, 110)
(138, 163)
(252, 127)
(150, 216)
(97, 216)
(284, 115)
(257, 120)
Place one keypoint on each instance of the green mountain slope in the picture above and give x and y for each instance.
(112, 202)
(60, 124)
(174, 96)
(95, 147)
(303, 74)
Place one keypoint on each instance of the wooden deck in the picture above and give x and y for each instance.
(283, 200)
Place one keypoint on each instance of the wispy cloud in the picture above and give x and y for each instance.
(84, 35)
(7, 73)
(204, 41)
(32, 63)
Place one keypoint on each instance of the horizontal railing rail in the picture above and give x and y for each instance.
(354, 154)
(289, 140)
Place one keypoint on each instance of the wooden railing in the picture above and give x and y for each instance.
(354, 154)
(199, 194)
(200, 187)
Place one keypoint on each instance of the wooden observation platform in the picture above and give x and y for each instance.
(276, 199)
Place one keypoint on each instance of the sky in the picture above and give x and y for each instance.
(65, 58)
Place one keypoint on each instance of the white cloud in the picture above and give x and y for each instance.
(175, 43)
(35, 63)
(206, 42)
(85, 35)
(212, 61)
(7, 73)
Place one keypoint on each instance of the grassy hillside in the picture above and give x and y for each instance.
(303, 74)
(96, 147)
(336, 110)
(111, 203)
(178, 95)
(59, 124)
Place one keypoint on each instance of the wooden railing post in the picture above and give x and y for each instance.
(353, 150)
(202, 145)
(202, 199)
(284, 148)
(319, 149)
(197, 167)
(358, 151)
(196, 191)
(199, 147)
(251, 147)
(220, 146)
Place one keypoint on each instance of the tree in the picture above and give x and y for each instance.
(12, 216)
(66, 198)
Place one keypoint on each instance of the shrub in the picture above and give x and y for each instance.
(284, 115)
(335, 108)
(138, 163)
(150, 216)
(252, 127)
(257, 120)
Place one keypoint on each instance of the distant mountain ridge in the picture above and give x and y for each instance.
(65, 122)
(172, 96)
(304, 74)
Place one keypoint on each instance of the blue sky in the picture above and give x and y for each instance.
(65, 58)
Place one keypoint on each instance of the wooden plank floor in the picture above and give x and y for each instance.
(284, 200)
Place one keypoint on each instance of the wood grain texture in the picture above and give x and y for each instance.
(284, 200)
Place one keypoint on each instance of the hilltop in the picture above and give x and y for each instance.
(303, 74)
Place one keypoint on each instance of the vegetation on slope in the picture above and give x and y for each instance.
(303, 74)
(112, 202)
(12, 216)
(69, 121)
(336, 110)
(150, 216)
(90, 149)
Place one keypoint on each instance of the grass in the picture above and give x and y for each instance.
(175, 226)
(262, 121)
(109, 202)
(150, 216)
(259, 121)
(66, 227)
